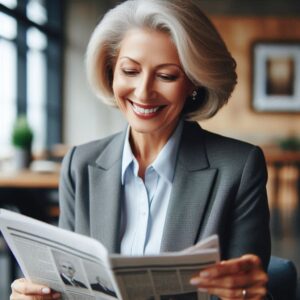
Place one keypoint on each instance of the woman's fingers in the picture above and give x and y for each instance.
(253, 292)
(235, 266)
(31, 297)
(232, 267)
(230, 278)
(232, 281)
(24, 289)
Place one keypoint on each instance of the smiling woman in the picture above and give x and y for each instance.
(164, 183)
(196, 49)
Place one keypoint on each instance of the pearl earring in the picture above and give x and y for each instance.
(194, 95)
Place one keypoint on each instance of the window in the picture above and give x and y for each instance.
(8, 57)
(31, 69)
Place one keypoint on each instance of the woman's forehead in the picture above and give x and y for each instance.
(139, 44)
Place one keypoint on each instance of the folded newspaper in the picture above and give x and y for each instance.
(81, 268)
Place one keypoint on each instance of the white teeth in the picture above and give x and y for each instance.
(144, 111)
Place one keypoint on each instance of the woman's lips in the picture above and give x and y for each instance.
(146, 110)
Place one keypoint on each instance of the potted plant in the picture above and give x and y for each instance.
(22, 137)
(290, 143)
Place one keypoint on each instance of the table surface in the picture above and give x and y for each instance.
(277, 155)
(34, 179)
(29, 179)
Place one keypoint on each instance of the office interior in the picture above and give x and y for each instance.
(42, 77)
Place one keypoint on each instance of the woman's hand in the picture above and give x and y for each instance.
(25, 290)
(240, 278)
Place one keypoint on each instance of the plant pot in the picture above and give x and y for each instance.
(22, 158)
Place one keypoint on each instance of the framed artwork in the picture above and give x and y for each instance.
(276, 77)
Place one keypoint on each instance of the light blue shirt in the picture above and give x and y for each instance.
(146, 202)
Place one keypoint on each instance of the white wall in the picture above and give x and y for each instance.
(85, 117)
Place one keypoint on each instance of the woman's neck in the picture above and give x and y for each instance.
(146, 147)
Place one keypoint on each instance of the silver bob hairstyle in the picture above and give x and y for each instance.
(201, 50)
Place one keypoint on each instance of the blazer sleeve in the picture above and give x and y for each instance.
(67, 193)
(249, 232)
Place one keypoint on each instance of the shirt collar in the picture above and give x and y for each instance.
(127, 157)
(164, 163)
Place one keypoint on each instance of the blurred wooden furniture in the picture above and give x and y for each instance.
(29, 179)
(275, 155)
(284, 189)
(32, 193)
(279, 160)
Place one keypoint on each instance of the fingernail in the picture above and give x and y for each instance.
(204, 274)
(56, 296)
(203, 290)
(195, 281)
(46, 290)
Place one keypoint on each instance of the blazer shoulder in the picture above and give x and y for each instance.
(216, 140)
(88, 153)
(222, 148)
(200, 147)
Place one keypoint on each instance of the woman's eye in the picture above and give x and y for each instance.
(167, 77)
(130, 72)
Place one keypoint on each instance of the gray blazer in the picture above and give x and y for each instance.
(219, 188)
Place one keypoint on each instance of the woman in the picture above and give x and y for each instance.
(165, 183)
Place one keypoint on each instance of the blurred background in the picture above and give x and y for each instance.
(46, 105)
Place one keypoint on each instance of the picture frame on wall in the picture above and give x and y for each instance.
(276, 77)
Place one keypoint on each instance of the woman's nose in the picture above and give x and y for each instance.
(144, 88)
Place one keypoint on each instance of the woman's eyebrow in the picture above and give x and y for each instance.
(159, 66)
(129, 58)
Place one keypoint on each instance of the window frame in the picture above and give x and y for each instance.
(53, 29)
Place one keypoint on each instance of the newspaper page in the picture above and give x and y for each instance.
(164, 277)
(74, 265)
(80, 267)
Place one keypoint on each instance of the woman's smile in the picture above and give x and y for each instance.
(146, 111)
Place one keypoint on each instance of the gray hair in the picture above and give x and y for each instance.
(202, 52)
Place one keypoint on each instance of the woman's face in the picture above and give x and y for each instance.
(149, 84)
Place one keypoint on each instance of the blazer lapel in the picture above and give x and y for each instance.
(105, 193)
(193, 182)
